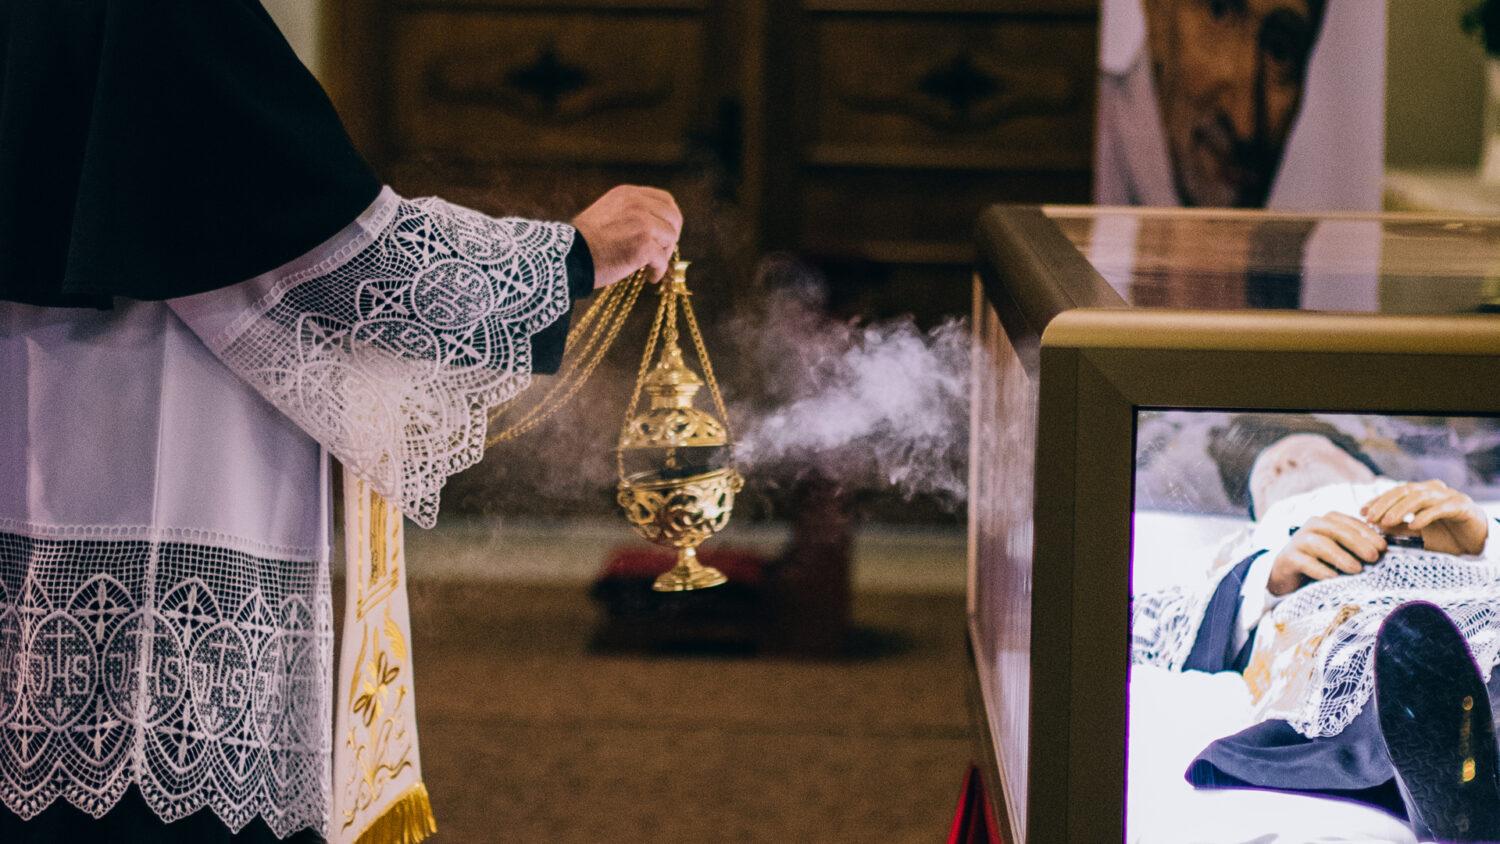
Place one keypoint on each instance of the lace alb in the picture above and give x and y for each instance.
(1312, 663)
(392, 357)
(200, 674)
(199, 667)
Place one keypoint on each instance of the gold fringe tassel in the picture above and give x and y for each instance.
(408, 820)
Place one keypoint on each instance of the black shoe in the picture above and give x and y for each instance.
(1435, 716)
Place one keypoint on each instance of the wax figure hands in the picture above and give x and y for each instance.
(628, 228)
(1448, 521)
(1322, 549)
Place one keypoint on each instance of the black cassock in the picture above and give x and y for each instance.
(151, 149)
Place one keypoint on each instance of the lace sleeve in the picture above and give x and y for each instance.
(1164, 623)
(390, 344)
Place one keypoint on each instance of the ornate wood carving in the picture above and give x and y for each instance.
(546, 88)
(964, 92)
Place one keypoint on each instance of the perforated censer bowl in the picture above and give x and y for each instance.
(681, 512)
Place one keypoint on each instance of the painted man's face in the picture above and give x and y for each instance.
(1229, 76)
(1300, 463)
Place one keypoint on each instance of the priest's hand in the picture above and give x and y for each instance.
(1448, 521)
(628, 228)
(1324, 548)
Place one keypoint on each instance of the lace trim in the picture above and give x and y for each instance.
(200, 674)
(370, 227)
(147, 533)
(1164, 624)
(1316, 646)
(392, 350)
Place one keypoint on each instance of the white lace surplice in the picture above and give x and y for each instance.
(1313, 664)
(165, 616)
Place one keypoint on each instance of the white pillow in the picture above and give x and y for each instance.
(1176, 548)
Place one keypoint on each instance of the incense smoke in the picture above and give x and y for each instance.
(883, 405)
(869, 407)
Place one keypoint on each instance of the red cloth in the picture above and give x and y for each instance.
(635, 562)
(974, 820)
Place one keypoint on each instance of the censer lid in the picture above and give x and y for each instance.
(675, 427)
(670, 419)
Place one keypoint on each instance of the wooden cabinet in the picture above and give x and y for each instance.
(862, 135)
(545, 89)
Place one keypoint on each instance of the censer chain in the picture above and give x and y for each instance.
(568, 380)
(640, 373)
(602, 322)
(594, 335)
(708, 368)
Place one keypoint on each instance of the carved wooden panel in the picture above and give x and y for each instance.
(862, 135)
(543, 88)
(992, 93)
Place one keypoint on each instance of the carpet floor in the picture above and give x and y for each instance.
(530, 735)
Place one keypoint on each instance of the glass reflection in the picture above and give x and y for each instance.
(1230, 261)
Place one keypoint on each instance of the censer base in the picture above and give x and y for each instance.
(688, 574)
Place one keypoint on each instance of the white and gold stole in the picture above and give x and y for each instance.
(378, 794)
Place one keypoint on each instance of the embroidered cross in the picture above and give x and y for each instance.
(101, 608)
(189, 612)
(99, 728)
(183, 735)
(324, 337)
(421, 242)
(384, 301)
(462, 344)
(26, 733)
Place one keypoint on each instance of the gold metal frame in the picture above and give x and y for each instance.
(1099, 362)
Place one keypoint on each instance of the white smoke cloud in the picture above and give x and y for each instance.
(871, 407)
(874, 406)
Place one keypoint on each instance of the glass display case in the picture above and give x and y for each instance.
(1133, 367)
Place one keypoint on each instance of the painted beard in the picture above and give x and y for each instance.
(1218, 169)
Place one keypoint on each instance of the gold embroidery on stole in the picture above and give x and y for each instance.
(379, 797)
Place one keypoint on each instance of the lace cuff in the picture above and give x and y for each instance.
(1164, 623)
(390, 343)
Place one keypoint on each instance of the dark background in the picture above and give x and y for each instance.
(857, 138)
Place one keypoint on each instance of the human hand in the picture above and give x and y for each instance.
(1324, 548)
(1448, 521)
(628, 228)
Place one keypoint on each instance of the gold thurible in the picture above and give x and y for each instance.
(682, 502)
